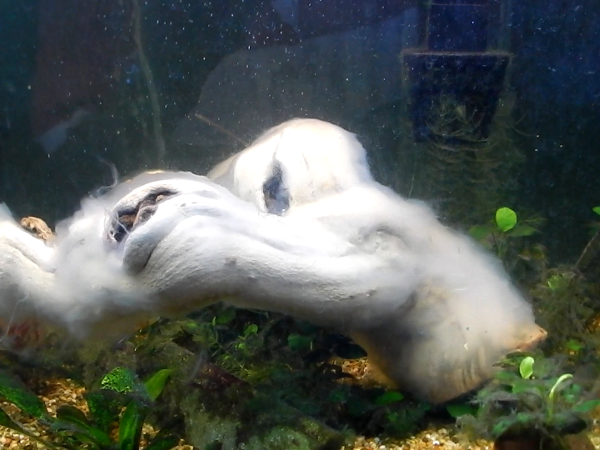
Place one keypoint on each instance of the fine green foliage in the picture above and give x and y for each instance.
(565, 302)
(122, 396)
(506, 236)
(532, 395)
(506, 225)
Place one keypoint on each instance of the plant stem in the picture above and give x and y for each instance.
(561, 379)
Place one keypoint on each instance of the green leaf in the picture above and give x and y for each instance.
(297, 342)
(502, 426)
(558, 282)
(559, 384)
(506, 377)
(68, 413)
(6, 421)
(526, 367)
(120, 380)
(525, 386)
(250, 329)
(522, 231)
(389, 397)
(586, 407)
(224, 317)
(506, 219)
(130, 427)
(525, 418)
(574, 345)
(596, 209)
(74, 420)
(156, 383)
(15, 391)
(104, 406)
(457, 410)
(480, 232)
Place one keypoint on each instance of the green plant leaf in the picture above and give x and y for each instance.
(104, 406)
(501, 427)
(506, 377)
(526, 367)
(518, 421)
(120, 380)
(558, 282)
(6, 421)
(522, 231)
(586, 407)
(596, 209)
(559, 384)
(525, 386)
(297, 342)
(73, 420)
(389, 397)
(224, 317)
(68, 413)
(15, 391)
(457, 410)
(250, 330)
(574, 345)
(130, 427)
(480, 232)
(506, 219)
(156, 383)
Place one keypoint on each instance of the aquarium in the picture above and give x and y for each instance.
(299, 224)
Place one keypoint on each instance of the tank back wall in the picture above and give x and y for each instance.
(248, 66)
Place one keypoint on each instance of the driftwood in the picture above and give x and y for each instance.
(295, 224)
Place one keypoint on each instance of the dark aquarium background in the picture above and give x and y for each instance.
(136, 85)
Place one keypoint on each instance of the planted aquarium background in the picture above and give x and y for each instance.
(487, 110)
(183, 84)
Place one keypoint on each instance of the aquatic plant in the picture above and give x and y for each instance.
(532, 398)
(463, 174)
(566, 305)
(121, 396)
(506, 236)
(15, 391)
(249, 359)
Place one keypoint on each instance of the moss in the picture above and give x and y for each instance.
(566, 305)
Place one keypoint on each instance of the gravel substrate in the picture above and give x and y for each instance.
(55, 393)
